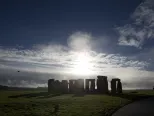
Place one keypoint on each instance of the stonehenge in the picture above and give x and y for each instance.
(116, 86)
(80, 85)
(99, 85)
(71, 86)
(76, 86)
(102, 84)
(50, 85)
(90, 85)
(64, 85)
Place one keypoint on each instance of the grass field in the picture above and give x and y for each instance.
(37, 103)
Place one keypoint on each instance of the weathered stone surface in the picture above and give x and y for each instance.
(64, 86)
(102, 84)
(71, 86)
(87, 85)
(54, 86)
(79, 86)
(113, 86)
(119, 87)
(105, 85)
(57, 86)
(116, 86)
(92, 87)
(50, 85)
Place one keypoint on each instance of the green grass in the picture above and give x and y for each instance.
(64, 105)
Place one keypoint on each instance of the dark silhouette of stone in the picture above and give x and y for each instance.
(77, 86)
(50, 85)
(119, 87)
(92, 87)
(116, 86)
(80, 85)
(87, 85)
(64, 86)
(71, 86)
(113, 86)
(102, 84)
(57, 86)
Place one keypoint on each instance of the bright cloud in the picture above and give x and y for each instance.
(141, 26)
(80, 41)
(77, 58)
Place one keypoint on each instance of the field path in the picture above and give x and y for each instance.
(139, 108)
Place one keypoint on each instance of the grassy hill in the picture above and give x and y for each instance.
(40, 103)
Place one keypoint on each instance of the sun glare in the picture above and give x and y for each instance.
(82, 65)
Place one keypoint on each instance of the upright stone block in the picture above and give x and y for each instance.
(113, 86)
(116, 86)
(50, 85)
(119, 87)
(64, 86)
(92, 88)
(76, 86)
(102, 84)
(106, 90)
(57, 86)
(71, 86)
(80, 85)
(87, 85)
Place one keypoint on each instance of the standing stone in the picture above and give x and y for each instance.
(92, 88)
(102, 84)
(71, 86)
(119, 87)
(76, 86)
(57, 86)
(113, 86)
(116, 86)
(105, 82)
(87, 85)
(80, 85)
(98, 85)
(50, 85)
(64, 86)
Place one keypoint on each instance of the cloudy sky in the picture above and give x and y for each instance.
(66, 39)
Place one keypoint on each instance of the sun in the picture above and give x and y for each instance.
(82, 64)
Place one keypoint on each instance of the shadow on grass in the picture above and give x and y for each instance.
(38, 95)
